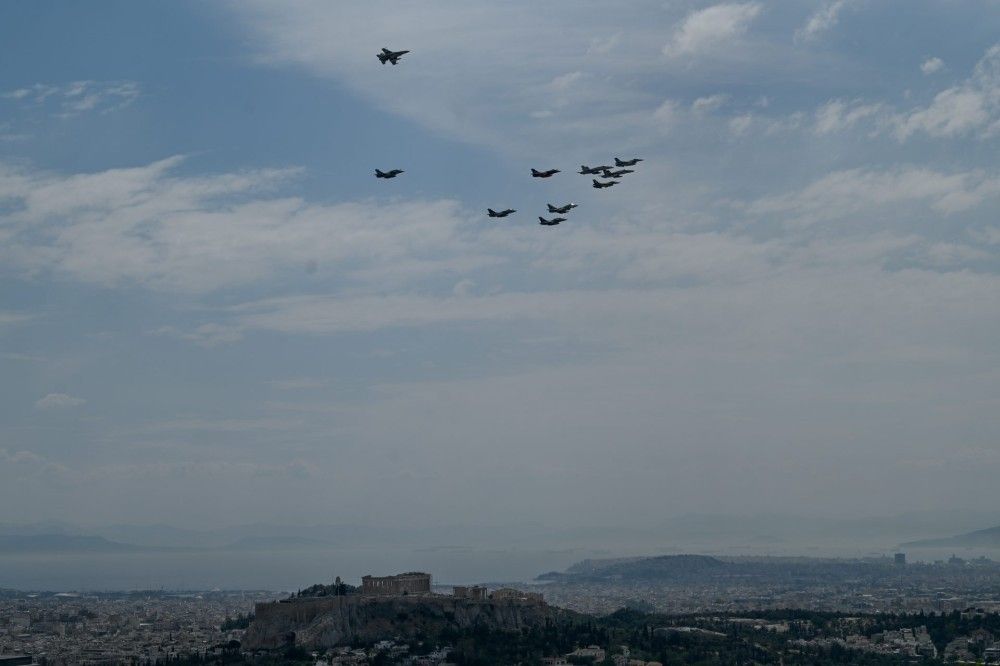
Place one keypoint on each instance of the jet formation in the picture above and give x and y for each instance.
(611, 174)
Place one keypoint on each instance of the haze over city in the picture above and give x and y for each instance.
(212, 313)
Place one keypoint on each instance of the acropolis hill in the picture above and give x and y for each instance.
(393, 606)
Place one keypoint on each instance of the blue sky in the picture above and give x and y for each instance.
(212, 312)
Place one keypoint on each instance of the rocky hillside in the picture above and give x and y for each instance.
(330, 621)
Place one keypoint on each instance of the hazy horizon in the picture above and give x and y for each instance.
(212, 313)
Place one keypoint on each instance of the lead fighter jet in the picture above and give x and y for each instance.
(550, 223)
(391, 56)
(544, 174)
(503, 213)
(387, 174)
(632, 162)
(562, 210)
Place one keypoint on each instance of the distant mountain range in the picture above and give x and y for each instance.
(61, 543)
(641, 568)
(764, 533)
(744, 570)
(980, 538)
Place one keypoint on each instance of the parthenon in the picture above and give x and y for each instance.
(413, 582)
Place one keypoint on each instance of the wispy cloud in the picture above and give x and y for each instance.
(206, 335)
(825, 18)
(196, 234)
(711, 28)
(709, 103)
(77, 97)
(932, 66)
(971, 107)
(298, 384)
(848, 193)
(838, 115)
(8, 318)
(59, 401)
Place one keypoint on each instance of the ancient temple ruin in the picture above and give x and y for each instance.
(413, 582)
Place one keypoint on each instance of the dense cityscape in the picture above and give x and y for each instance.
(672, 609)
(845, 586)
(140, 627)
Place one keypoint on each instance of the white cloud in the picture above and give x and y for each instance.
(338, 314)
(855, 191)
(27, 464)
(825, 18)
(971, 107)
(28, 358)
(709, 103)
(604, 46)
(932, 66)
(710, 28)
(746, 123)
(740, 125)
(145, 225)
(7, 318)
(953, 112)
(563, 82)
(666, 115)
(59, 401)
(77, 97)
(206, 335)
(838, 115)
(21, 457)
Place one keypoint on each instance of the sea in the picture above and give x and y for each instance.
(291, 569)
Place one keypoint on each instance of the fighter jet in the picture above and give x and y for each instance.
(503, 213)
(544, 174)
(608, 173)
(598, 185)
(562, 210)
(632, 162)
(391, 56)
(550, 223)
(388, 174)
(588, 171)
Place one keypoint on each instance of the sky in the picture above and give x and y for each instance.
(212, 313)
